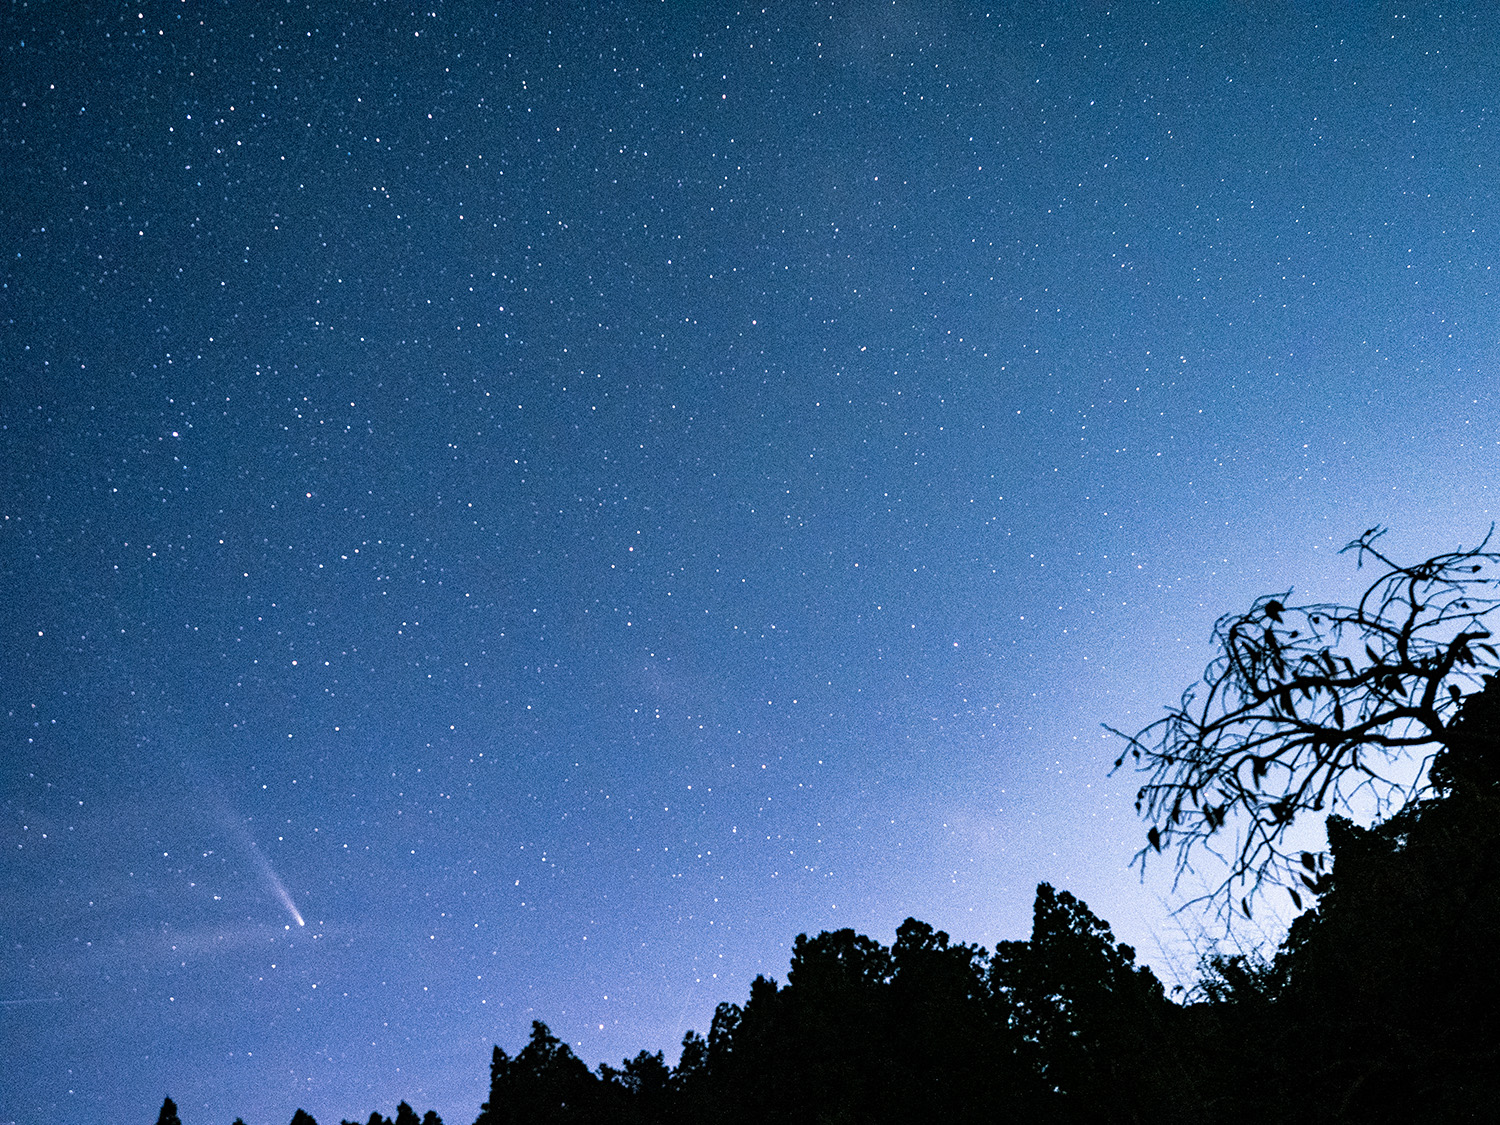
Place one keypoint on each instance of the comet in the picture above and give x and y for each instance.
(275, 880)
(210, 797)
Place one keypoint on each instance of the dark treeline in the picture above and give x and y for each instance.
(1382, 1004)
(926, 1029)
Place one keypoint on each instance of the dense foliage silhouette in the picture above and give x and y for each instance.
(405, 1115)
(1383, 1003)
(1063, 1027)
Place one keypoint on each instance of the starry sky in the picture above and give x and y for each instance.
(515, 511)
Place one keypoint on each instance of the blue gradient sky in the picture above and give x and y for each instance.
(578, 495)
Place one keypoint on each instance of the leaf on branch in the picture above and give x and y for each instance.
(1274, 610)
(1154, 838)
(1296, 898)
(1308, 861)
(1321, 885)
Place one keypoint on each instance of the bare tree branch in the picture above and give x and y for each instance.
(1306, 708)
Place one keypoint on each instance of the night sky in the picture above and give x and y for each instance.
(560, 499)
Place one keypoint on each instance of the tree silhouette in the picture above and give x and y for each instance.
(168, 1114)
(1392, 984)
(405, 1115)
(1383, 1002)
(545, 1082)
(953, 1056)
(640, 1092)
(302, 1117)
(1308, 707)
(825, 1033)
(1089, 1021)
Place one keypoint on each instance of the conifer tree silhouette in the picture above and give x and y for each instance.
(1089, 1019)
(545, 1083)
